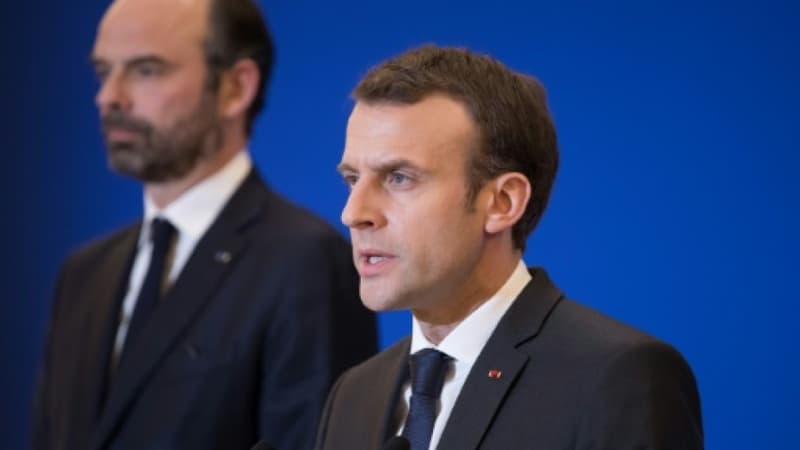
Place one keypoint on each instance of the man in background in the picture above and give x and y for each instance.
(450, 157)
(225, 314)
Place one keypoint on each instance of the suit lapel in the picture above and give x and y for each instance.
(361, 410)
(388, 392)
(215, 253)
(482, 395)
(107, 292)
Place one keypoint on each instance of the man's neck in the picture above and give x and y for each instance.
(437, 323)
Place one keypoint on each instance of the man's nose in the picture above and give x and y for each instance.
(113, 95)
(364, 207)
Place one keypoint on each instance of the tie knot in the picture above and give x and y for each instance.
(428, 370)
(161, 232)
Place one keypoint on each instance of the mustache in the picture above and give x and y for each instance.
(120, 119)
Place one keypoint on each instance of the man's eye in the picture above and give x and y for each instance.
(398, 178)
(350, 180)
(147, 70)
(101, 74)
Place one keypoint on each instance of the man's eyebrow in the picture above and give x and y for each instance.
(382, 166)
(142, 59)
(95, 60)
(343, 167)
(145, 59)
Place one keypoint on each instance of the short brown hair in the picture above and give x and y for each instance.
(509, 108)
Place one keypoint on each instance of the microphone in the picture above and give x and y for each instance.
(395, 443)
(261, 445)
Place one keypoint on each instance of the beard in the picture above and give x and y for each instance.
(157, 155)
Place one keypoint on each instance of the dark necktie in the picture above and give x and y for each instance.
(161, 232)
(428, 370)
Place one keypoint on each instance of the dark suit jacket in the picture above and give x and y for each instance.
(571, 378)
(262, 319)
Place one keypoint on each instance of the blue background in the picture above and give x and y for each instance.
(675, 208)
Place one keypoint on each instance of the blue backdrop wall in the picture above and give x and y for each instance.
(675, 209)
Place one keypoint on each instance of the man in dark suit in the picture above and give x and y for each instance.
(224, 316)
(450, 157)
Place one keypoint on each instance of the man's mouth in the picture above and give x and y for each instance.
(121, 134)
(373, 262)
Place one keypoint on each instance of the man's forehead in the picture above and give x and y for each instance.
(381, 131)
(159, 20)
(158, 7)
(435, 115)
(357, 157)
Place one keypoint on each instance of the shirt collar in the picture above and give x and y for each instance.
(467, 339)
(193, 212)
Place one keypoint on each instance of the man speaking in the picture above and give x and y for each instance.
(450, 157)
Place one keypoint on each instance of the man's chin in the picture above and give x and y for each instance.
(126, 151)
(138, 169)
(374, 303)
(125, 158)
(134, 166)
(381, 301)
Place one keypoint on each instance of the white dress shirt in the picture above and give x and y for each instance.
(191, 214)
(464, 344)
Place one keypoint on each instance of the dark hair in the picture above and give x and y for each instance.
(237, 30)
(516, 133)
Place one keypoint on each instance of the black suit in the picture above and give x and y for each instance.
(244, 346)
(571, 378)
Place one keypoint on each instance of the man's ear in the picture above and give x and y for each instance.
(238, 88)
(510, 193)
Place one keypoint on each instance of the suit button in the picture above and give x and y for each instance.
(223, 257)
(191, 350)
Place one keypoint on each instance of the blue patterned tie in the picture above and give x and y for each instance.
(428, 369)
